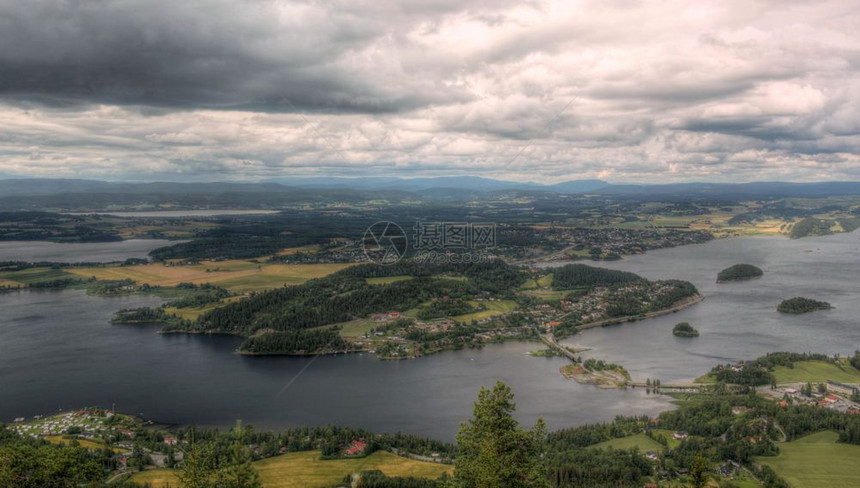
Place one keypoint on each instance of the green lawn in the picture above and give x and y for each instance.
(817, 461)
(492, 309)
(357, 327)
(642, 441)
(816, 372)
(306, 470)
(668, 434)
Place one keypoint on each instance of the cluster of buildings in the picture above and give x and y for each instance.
(593, 305)
(86, 423)
(837, 396)
(620, 242)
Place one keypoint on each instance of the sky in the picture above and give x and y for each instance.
(625, 91)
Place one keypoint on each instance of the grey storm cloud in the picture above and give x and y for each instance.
(253, 55)
(546, 90)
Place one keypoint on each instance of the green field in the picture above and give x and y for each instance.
(816, 372)
(192, 313)
(357, 327)
(671, 441)
(534, 284)
(34, 275)
(493, 309)
(817, 461)
(641, 441)
(88, 444)
(235, 275)
(807, 371)
(306, 470)
(387, 279)
(551, 295)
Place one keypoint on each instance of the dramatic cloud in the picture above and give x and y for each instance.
(547, 91)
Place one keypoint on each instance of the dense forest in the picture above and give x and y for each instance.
(45, 226)
(287, 320)
(35, 463)
(739, 272)
(799, 305)
(684, 329)
(296, 341)
(809, 227)
(581, 276)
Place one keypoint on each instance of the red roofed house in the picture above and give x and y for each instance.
(355, 448)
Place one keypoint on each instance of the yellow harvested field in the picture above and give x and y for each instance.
(234, 275)
(307, 470)
(88, 444)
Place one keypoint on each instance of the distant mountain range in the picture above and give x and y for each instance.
(470, 183)
(443, 187)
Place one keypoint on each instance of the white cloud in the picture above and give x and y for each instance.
(547, 91)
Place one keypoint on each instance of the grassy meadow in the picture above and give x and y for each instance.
(817, 372)
(307, 470)
(85, 443)
(33, 275)
(815, 461)
(493, 309)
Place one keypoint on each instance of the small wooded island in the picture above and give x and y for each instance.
(684, 329)
(798, 305)
(739, 272)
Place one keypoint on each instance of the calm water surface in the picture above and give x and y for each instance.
(88, 252)
(59, 351)
(739, 320)
(180, 213)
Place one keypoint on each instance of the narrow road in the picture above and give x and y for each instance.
(549, 340)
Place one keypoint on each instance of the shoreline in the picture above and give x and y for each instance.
(676, 307)
(609, 378)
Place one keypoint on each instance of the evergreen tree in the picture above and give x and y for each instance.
(698, 478)
(494, 451)
(240, 473)
(198, 466)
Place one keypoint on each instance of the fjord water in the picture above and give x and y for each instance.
(58, 350)
(738, 320)
(89, 252)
